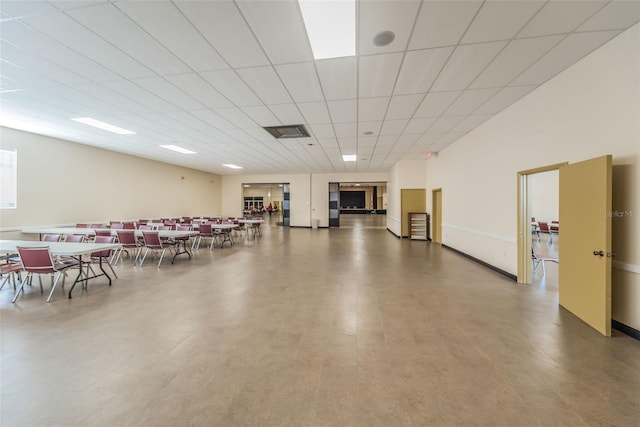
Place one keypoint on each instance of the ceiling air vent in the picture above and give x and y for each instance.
(288, 131)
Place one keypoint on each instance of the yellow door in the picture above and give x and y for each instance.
(411, 200)
(436, 198)
(585, 241)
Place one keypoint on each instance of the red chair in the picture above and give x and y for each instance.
(117, 225)
(554, 229)
(74, 238)
(52, 237)
(97, 225)
(544, 227)
(129, 226)
(102, 257)
(184, 239)
(103, 232)
(38, 261)
(82, 225)
(8, 272)
(128, 240)
(206, 232)
(153, 243)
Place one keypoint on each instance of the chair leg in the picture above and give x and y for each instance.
(161, 256)
(144, 257)
(21, 287)
(54, 284)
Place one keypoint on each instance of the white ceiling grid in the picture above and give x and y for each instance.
(207, 75)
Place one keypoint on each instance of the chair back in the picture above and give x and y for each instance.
(544, 227)
(165, 227)
(146, 227)
(103, 233)
(117, 226)
(187, 220)
(82, 225)
(205, 230)
(184, 228)
(105, 253)
(127, 238)
(129, 226)
(142, 222)
(152, 239)
(52, 237)
(74, 238)
(97, 225)
(37, 260)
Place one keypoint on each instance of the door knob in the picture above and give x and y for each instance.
(598, 253)
(611, 254)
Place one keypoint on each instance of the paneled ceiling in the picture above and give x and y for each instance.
(207, 75)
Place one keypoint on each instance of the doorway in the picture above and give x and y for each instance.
(436, 216)
(271, 200)
(411, 200)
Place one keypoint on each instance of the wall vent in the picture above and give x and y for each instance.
(288, 131)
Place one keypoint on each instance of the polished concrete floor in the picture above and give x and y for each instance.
(303, 327)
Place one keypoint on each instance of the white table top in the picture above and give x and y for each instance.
(92, 231)
(251, 221)
(57, 248)
(223, 226)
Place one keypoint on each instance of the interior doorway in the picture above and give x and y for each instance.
(271, 200)
(436, 215)
(356, 198)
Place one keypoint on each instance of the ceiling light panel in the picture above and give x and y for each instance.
(283, 43)
(419, 70)
(377, 74)
(197, 88)
(500, 20)
(339, 77)
(301, 81)
(442, 23)
(569, 50)
(513, 60)
(224, 27)
(558, 17)
(397, 17)
(102, 125)
(266, 84)
(330, 27)
(178, 149)
(465, 64)
(168, 25)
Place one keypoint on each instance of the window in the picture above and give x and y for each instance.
(8, 179)
(255, 202)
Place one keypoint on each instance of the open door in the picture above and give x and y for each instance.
(585, 251)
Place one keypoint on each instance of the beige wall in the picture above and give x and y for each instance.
(409, 174)
(589, 110)
(544, 196)
(61, 182)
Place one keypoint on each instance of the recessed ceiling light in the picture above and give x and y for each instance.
(178, 149)
(102, 125)
(229, 165)
(368, 133)
(349, 157)
(383, 38)
(357, 185)
(246, 185)
(331, 27)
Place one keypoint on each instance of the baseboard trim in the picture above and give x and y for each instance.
(483, 263)
(389, 230)
(628, 330)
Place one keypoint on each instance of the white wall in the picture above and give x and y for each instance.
(405, 174)
(61, 182)
(589, 110)
(544, 196)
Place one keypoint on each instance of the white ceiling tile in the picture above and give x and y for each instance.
(428, 139)
(616, 15)
(442, 23)
(280, 28)
(323, 131)
(168, 25)
(266, 84)
(513, 60)
(195, 86)
(435, 103)
(69, 32)
(344, 111)
(24, 79)
(403, 106)
(346, 130)
(169, 93)
(261, 115)
(222, 24)
(287, 113)
(372, 109)
(236, 117)
(445, 124)
(26, 8)
(419, 125)
(558, 17)
(87, 103)
(500, 20)
(469, 101)
(471, 122)
(189, 120)
(420, 68)
(314, 112)
(386, 141)
(339, 77)
(446, 140)
(393, 127)
(503, 99)
(95, 90)
(140, 95)
(37, 43)
(569, 50)
(230, 85)
(213, 119)
(301, 80)
(111, 24)
(375, 16)
(465, 64)
(377, 74)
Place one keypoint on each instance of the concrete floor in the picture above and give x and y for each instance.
(303, 327)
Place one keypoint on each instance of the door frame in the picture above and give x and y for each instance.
(436, 216)
(525, 267)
